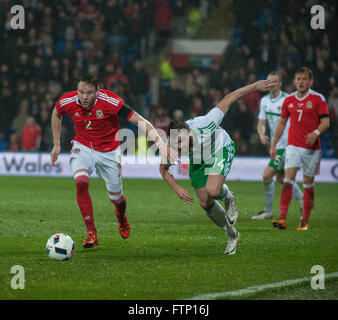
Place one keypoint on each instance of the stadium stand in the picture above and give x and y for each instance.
(114, 39)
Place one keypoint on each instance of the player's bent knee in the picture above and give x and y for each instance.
(213, 192)
(267, 179)
(114, 196)
(82, 182)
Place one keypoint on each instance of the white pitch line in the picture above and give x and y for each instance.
(255, 289)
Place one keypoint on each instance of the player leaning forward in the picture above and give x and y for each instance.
(309, 118)
(95, 115)
(211, 152)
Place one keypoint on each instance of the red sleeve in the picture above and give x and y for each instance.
(113, 99)
(322, 107)
(58, 108)
(285, 112)
(62, 107)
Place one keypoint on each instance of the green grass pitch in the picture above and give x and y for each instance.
(174, 251)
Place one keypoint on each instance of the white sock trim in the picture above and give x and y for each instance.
(81, 173)
(289, 181)
(308, 186)
(114, 197)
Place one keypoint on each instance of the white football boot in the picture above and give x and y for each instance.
(231, 210)
(262, 215)
(232, 244)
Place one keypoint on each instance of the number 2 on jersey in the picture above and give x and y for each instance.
(88, 124)
(300, 114)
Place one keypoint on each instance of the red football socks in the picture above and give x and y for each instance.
(308, 200)
(285, 199)
(84, 202)
(120, 206)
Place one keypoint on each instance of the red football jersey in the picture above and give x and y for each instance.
(304, 116)
(95, 128)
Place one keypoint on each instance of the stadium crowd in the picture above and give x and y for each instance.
(111, 38)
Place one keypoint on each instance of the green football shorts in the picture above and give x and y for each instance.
(278, 163)
(220, 164)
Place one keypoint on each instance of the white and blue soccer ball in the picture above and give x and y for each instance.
(60, 246)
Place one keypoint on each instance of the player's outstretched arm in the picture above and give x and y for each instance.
(278, 133)
(180, 191)
(166, 152)
(261, 85)
(56, 129)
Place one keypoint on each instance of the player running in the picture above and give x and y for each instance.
(211, 153)
(270, 109)
(309, 118)
(95, 115)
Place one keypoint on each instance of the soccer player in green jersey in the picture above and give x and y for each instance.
(211, 152)
(269, 111)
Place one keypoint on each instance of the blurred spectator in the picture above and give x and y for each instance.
(14, 143)
(252, 99)
(195, 92)
(31, 135)
(179, 18)
(167, 72)
(193, 79)
(120, 78)
(194, 21)
(139, 87)
(174, 98)
(21, 118)
(244, 120)
(196, 109)
(242, 146)
(178, 115)
(146, 25)
(215, 76)
(161, 120)
(321, 79)
(162, 23)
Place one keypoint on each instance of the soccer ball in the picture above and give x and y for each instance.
(60, 246)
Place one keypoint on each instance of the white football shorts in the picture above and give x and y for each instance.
(306, 159)
(106, 164)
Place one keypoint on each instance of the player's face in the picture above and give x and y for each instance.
(302, 82)
(87, 94)
(182, 142)
(278, 83)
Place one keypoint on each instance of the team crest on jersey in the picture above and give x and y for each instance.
(291, 105)
(99, 114)
(309, 105)
(279, 108)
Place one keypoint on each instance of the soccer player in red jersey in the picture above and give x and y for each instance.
(95, 115)
(309, 118)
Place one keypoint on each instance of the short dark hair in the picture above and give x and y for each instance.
(305, 70)
(89, 79)
(178, 125)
